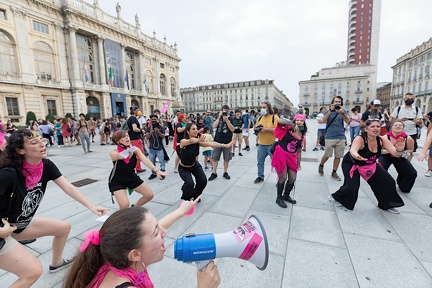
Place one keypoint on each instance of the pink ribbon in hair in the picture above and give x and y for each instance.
(90, 236)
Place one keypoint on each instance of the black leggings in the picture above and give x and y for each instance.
(381, 182)
(189, 188)
(406, 172)
(166, 140)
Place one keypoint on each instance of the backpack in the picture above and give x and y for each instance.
(397, 115)
(262, 116)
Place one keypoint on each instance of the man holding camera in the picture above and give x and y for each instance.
(411, 116)
(224, 134)
(264, 128)
(334, 136)
(155, 135)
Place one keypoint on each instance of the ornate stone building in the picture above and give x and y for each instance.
(244, 95)
(412, 73)
(69, 56)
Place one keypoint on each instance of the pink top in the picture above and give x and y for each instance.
(141, 281)
(355, 120)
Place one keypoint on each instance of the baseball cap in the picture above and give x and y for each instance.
(376, 102)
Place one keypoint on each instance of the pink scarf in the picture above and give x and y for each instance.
(128, 273)
(365, 171)
(32, 173)
(121, 149)
(403, 135)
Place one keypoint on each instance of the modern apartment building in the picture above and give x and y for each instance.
(412, 73)
(69, 56)
(363, 31)
(244, 95)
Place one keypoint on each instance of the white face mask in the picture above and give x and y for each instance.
(263, 111)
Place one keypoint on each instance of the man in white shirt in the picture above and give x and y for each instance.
(321, 127)
(411, 116)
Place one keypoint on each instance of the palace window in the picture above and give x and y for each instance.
(52, 108)
(7, 55)
(12, 106)
(44, 61)
(40, 27)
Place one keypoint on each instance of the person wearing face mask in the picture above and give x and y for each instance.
(287, 156)
(411, 116)
(268, 122)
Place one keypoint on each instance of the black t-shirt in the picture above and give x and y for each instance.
(366, 115)
(25, 202)
(189, 153)
(132, 134)
(180, 136)
(156, 142)
(237, 123)
(223, 133)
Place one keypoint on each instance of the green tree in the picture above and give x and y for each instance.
(87, 116)
(50, 117)
(30, 116)
(68, 115)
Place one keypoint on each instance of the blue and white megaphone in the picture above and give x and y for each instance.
(248, 242)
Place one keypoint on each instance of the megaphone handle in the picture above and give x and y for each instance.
(202, 264)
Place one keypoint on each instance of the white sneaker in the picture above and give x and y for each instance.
(333, 201)
(428, 173)
(393, 210)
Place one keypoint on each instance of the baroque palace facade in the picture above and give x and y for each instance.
(69, 56)
(243, 95)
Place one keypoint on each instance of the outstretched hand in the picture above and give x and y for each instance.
(100, 211)
(400, 144)
(186, 206)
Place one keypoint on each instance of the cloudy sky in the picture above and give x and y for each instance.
(284, 40)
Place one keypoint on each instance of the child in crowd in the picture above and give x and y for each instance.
(207, 151)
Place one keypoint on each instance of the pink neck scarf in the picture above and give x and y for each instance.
(32, 173)
(121, 149)
(403, 135)
(142, 282)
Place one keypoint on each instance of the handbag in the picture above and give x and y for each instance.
(3, 241)
(322, 136)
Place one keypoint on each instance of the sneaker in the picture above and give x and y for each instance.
(244, 148)
(335, 176)
(247, 148)
(240, 154)
(162, 178)
(322, 148)
(281, 202)
(141, 171)
(206, 168)
(428, 173)
(64, 264)
(315, 149)
(393, 210)
(333, 201)
(152, 176)
(232, 154)
(321, 169)
(226, 176)
(212, 177)
(430, 205)
(256, 145)
(258, 180)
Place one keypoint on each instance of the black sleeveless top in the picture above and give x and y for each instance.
(367, 154)
(290, 143)
(189, 153)
(123, 171)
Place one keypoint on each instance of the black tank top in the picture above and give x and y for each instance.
(124, 171)
(367, 154)
(290, 143)
(189, 153)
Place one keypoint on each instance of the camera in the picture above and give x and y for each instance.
(337, 107)
(258, 129)
(410, 119)
(155, 125)
(224, 113)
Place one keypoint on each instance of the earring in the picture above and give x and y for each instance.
(143, 277)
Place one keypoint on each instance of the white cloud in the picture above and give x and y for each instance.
(285, 40)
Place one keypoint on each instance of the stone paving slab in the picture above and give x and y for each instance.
(312, 244)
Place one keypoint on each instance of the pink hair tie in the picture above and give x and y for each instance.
(90, 236)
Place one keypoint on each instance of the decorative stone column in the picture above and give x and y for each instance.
(73, 52)
(102, 69)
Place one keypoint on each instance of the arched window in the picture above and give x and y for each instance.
(44, 61)
(135, 103)
(162, 83)
(7, 55)
(173, 86)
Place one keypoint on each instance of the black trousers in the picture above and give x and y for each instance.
(190, 189)
(382, 184)
(407, 174)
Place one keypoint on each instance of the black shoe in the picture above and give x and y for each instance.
(289, 199)
(258, 180)
(232, 154)
(322, 148)
(281, 202)
(245, 148)
(212, 177)
(226, 176)
(248, 148)
(25, 242)
(141, 171)
(64, 264)
(240, 154)
(162, 178)
(315, 149)
(256, 145)
(430, 205)
(152, 176)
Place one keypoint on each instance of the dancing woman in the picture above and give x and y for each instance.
(361, 160)
(189, 165)
(287, 156)
(407, 174)
(24, 175)
(123, 175)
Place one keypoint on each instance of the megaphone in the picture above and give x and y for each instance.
(248, 242)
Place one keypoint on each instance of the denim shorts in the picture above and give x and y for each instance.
(207, 153)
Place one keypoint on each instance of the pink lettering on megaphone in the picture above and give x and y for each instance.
(251, 247)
